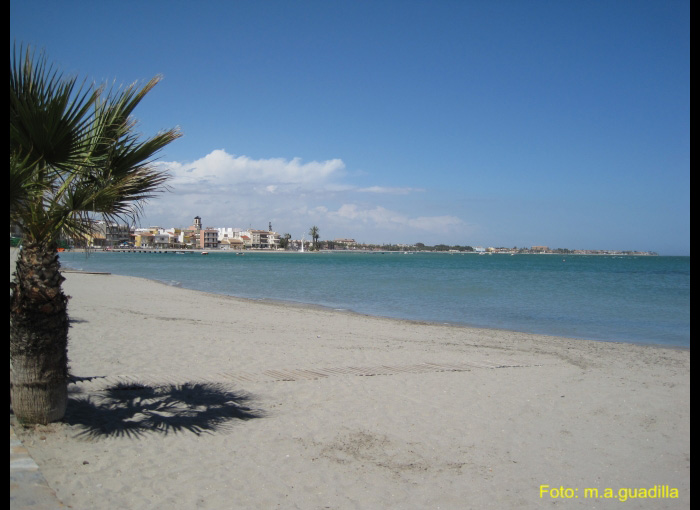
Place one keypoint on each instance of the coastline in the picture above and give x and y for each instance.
(569, 307)
(349, 410)
(591, 253)
(417, 322)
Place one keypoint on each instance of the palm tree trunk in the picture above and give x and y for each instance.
(38, 337)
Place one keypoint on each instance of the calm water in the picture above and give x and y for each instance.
(629, 299)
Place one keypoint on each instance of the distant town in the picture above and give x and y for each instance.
(112, 236)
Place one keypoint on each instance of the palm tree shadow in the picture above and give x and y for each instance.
(133, 410)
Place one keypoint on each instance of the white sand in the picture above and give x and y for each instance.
(358, 412)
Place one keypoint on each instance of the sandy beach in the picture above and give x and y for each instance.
(184, 399)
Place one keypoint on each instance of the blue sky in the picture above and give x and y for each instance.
(483, 123)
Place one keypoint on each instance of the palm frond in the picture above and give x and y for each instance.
(49, 114)
(74, 151)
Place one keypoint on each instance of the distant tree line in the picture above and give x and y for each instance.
(415, 247)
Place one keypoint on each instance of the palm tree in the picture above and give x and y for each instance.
(74, 158)
(284, 241)
(313, 232)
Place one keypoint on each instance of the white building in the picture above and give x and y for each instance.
(229, 233)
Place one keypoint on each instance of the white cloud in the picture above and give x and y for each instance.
(384, 218)
(219, 169)
(236, 191)
(388, 190)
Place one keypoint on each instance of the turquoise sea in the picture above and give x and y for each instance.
(610, 298)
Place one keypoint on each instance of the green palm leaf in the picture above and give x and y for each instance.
(74, 152)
